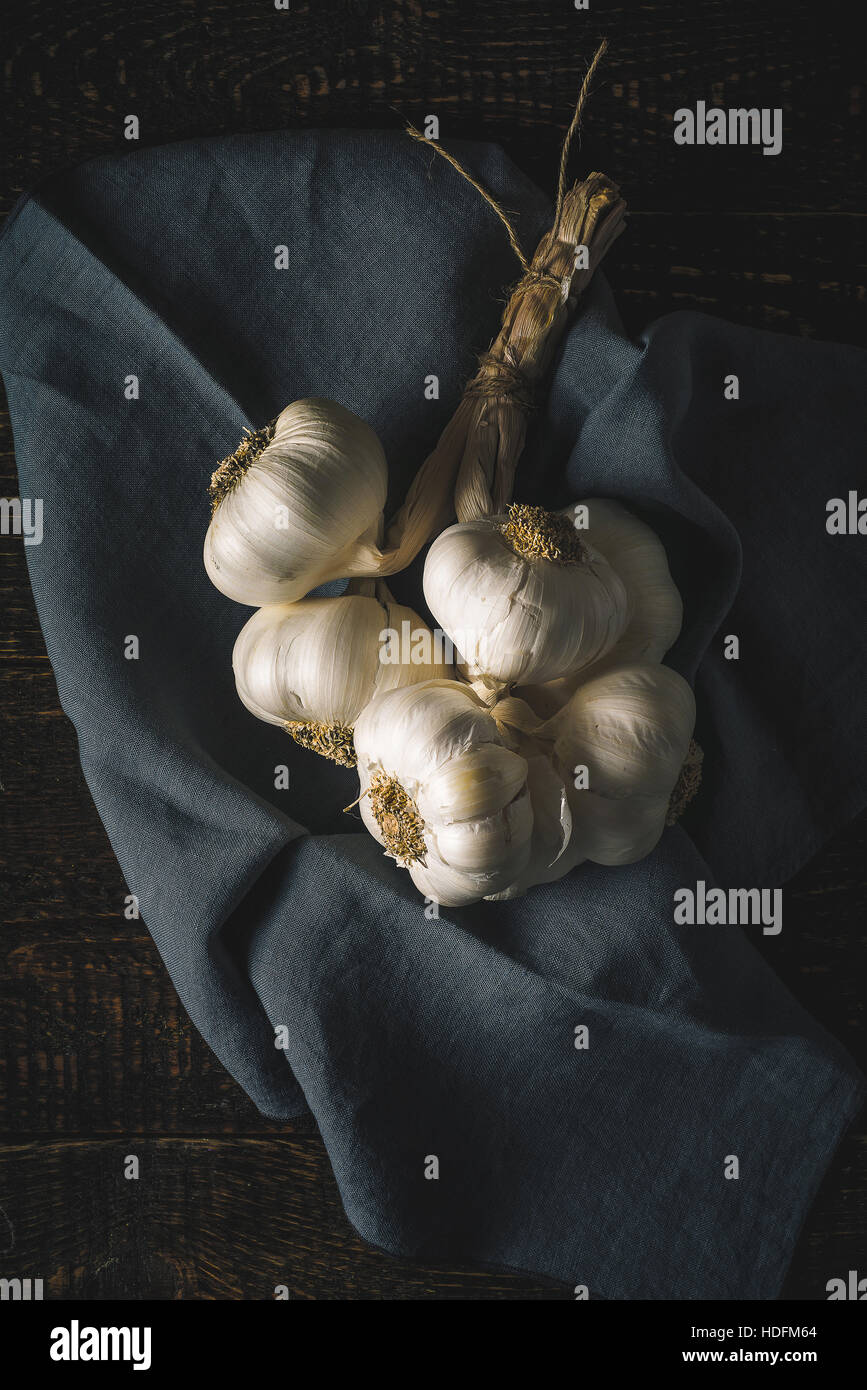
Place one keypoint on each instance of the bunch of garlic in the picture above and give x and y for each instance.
(312, 666)
(565, 736)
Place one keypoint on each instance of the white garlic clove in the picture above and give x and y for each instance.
(442, 793)
(476, 785)
(304, 509)
(523, 598)
(490, 846)
(284, 659)
(554, 850)
(636, 721)
(442, 884)
(421, 728)
(453, 885)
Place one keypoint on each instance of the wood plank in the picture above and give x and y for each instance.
(508, 72)
(95, 1041)
(207, 1219)
(233, 1219)
(799, 275)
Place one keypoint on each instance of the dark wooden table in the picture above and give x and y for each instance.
(99, 1060)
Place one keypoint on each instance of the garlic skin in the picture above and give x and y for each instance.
(320, 660)
(514, 616)
(655, 606)
(442, 793)
(631, 727)
(306, 509)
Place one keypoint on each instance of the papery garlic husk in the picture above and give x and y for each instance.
(631, 728)
(312, 666)
(655, 607)
(523, 597)
(304, 509)
(442, 793)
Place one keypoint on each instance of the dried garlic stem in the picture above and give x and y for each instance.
(534, 322)
(472, 469)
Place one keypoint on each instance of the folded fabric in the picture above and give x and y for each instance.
(410, 1036)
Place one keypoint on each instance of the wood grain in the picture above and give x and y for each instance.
(206, 1219)
(493, 70)
(235, 1219)
(98, 1056)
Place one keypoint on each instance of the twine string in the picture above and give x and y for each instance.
(489, 198)
(496, 377)
(573, 129)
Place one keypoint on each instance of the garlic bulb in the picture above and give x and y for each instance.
(630, 727)
(523, 598)
(655, 607)
(298, 504)
(312, 666)
(441, 791)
